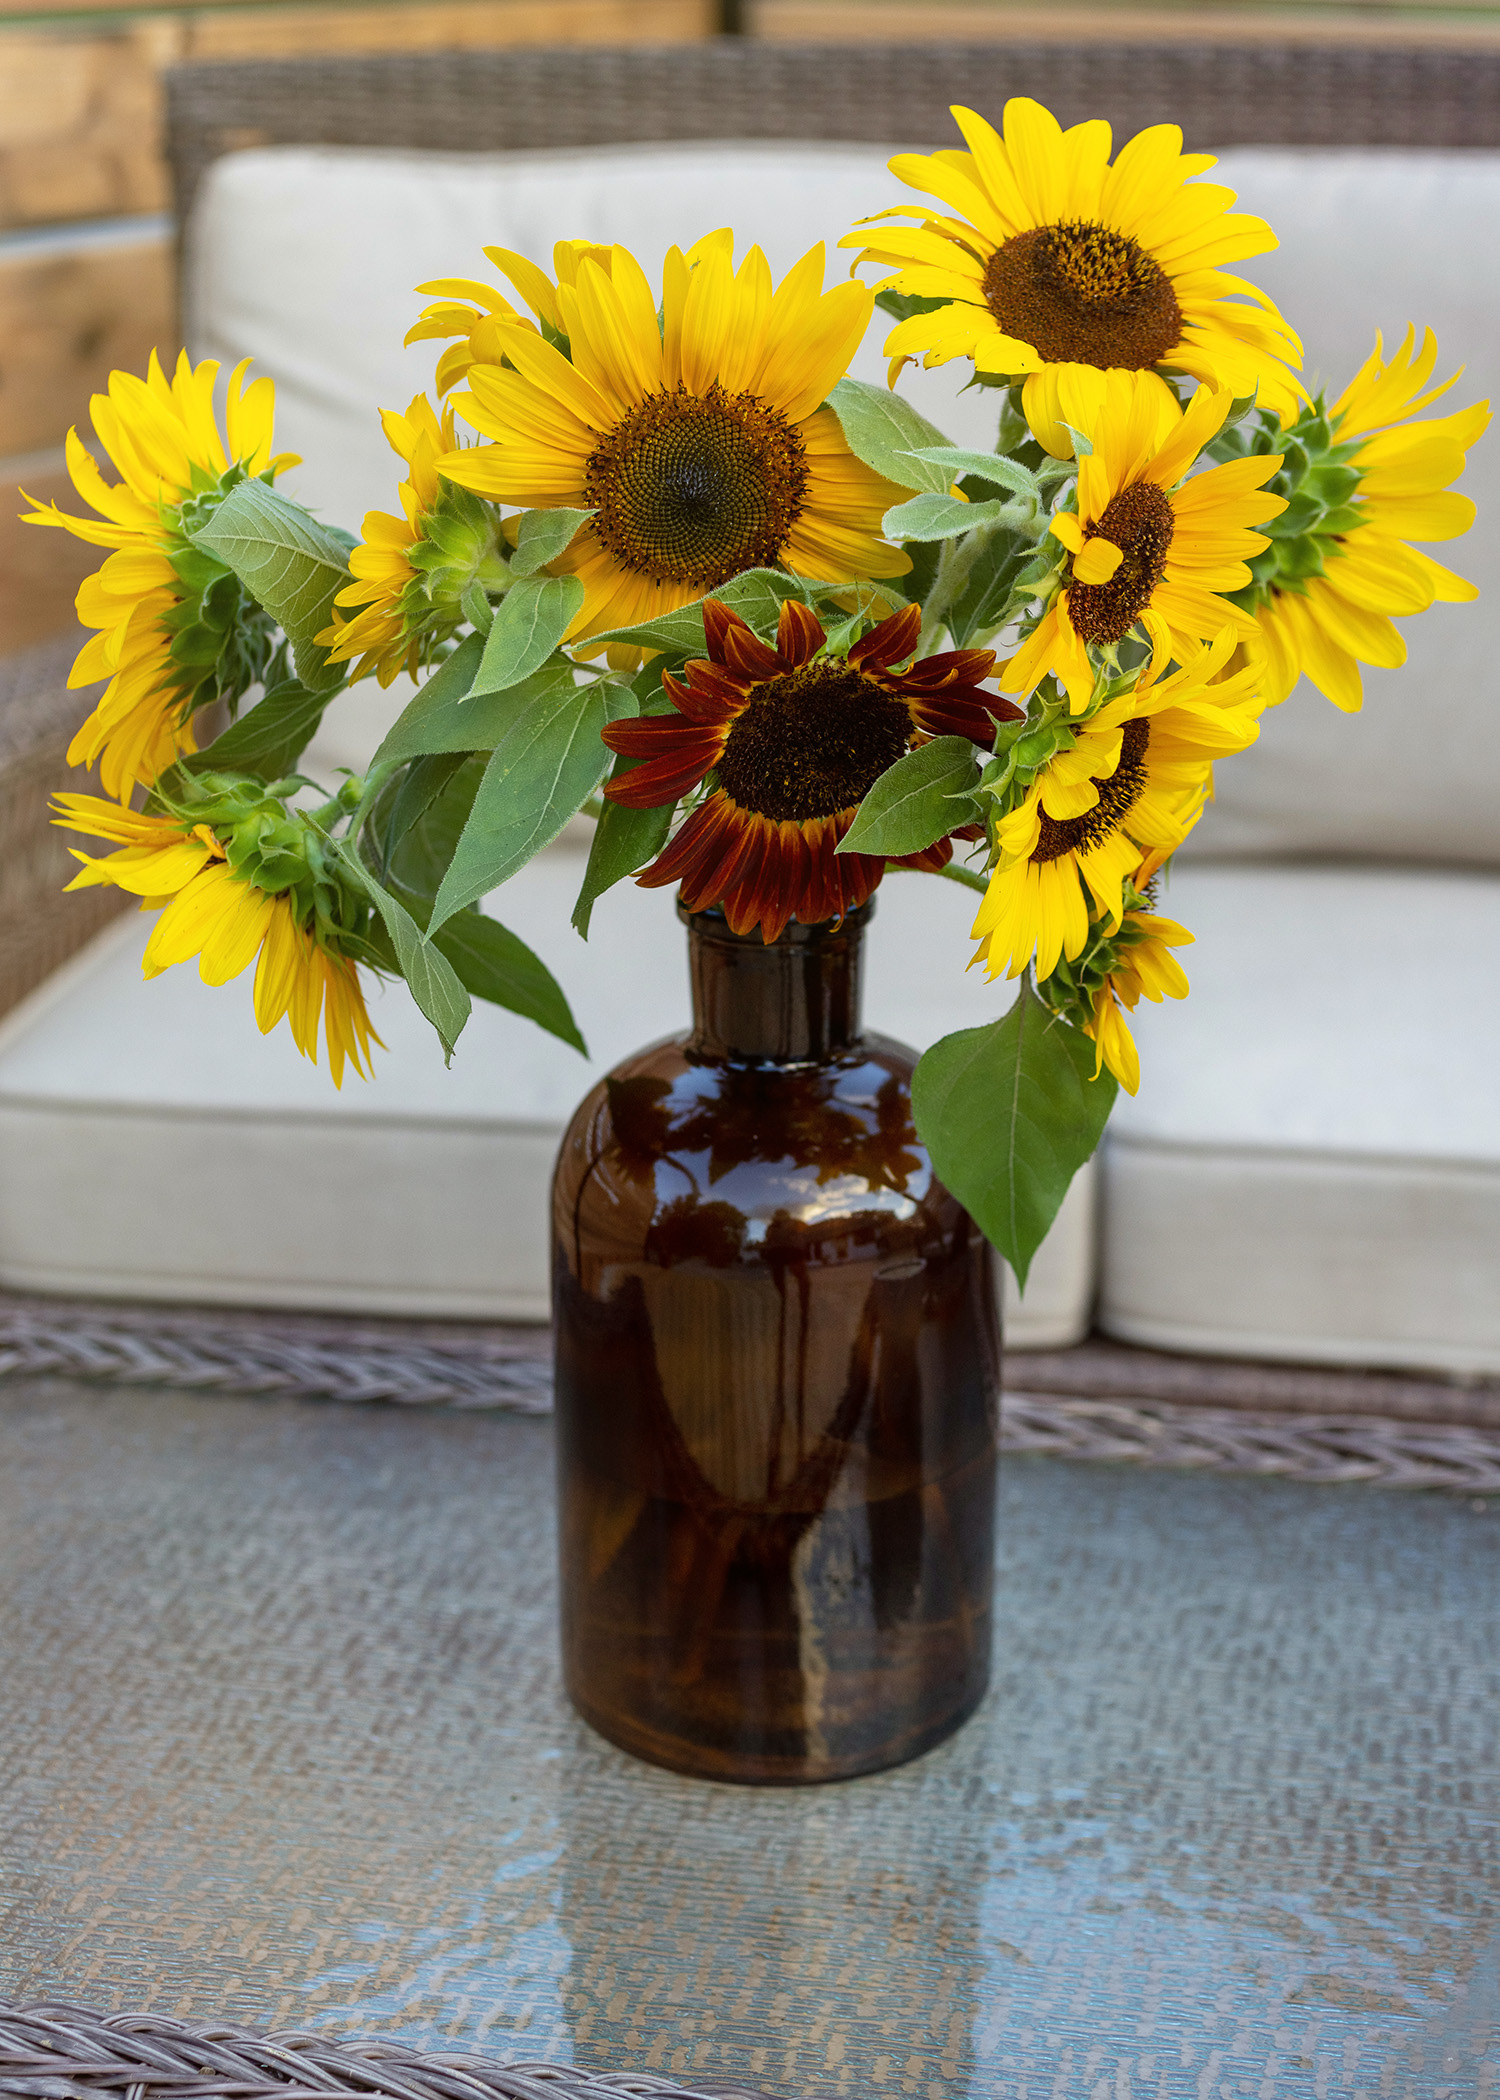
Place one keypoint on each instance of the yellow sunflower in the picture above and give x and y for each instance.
(475, 311)
(1142, 966)
(700, 443)
(1325, 625)
(162, 438)
(1148, 548)
(411, 572)
(213, 911)
(1055, 257)
(1133, 780)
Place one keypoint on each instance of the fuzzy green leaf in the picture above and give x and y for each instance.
(989, 466)
(495, 964)
(448, 716)
(269, 738)
(917, 801)
(1009, 1113)
(757, 595)
(931, 517)
(288, 562)
(886, 432)
(544, 768)
(544, 534)
(532, 619)
(430, 977)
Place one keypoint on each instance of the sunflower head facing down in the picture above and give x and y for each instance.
(1129, 780)
(699, 442)
(411, 572)
(1364, 479)
(1049, 256)
(1120, 965)
(239, 879)
(174, 629)
(790, 739)
(1150, 551)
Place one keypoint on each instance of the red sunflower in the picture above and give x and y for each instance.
(795, 739)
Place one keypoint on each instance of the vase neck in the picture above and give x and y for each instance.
(794, 1002)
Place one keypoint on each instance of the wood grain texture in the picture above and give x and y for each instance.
(435, 25)
(67, 319)
(40, 571)
(80, 122)
(912, 21)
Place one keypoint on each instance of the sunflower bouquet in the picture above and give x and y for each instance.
(662, 561)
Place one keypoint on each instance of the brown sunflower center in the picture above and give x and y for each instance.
(812, 743)
(1117, 797)
(1082, 294)
(1139, 522)
(692, 488)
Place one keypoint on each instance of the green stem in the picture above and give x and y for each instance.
(970, 879)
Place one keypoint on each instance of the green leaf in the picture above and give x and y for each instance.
(288, 562)
(1008, 1114)
(902, 305)
(984, 603)
(989, 466)
(917, 800)
(544, 534)
(478, 610)
(887, 434)
(447, 716)
(269, 738)
(757, 595)
(931, 517)
(545, 767)
(624, 840)
(532, 619)
(431, 978)
(495, 964)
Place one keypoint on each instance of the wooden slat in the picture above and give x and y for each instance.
(434, 25)
(913, 21)
(66, 321)
(40, 570)
(80, 109)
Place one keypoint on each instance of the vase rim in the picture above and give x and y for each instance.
(713, 924)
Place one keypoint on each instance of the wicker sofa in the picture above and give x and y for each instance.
(1278, 1211)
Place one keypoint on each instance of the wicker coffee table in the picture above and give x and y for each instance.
(283, 1747)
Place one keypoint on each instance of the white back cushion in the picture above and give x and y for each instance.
(305, 258)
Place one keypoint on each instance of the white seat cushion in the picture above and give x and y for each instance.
(1312, 1167)
(1379, 240)
(154, 1145)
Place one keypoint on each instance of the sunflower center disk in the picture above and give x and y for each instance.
(1082, 294)
(1117, 796)
(1139, 522)
(812, 743)
(691, 488)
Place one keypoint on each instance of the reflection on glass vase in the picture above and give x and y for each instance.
(777, 1387)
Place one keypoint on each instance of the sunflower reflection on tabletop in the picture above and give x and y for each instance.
(659, 560)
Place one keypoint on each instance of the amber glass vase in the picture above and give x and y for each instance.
(777, 1382)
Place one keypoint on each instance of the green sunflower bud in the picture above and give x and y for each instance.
(461, 545)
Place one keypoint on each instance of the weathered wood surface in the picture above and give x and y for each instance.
(40, 571)
(1022, 21)
(68, 317)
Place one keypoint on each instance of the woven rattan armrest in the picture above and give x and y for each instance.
(66, 2052)
(1222, 94)
(39, 926)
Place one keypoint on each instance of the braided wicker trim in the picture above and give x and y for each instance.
(305, 1357)
(1366, 1448)
(66, 2052)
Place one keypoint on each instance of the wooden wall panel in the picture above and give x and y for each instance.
(66, 321)
(40, 570)
(80, 122)
(434, 25)
(1087, 21)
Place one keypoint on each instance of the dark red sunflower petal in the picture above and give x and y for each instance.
(799, 634)
(718, 623)
(707, 697)
(746, 654)
(965, 666)
(929, 860)
(889, 643)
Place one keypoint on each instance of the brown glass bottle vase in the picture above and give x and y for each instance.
(777, 1387)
